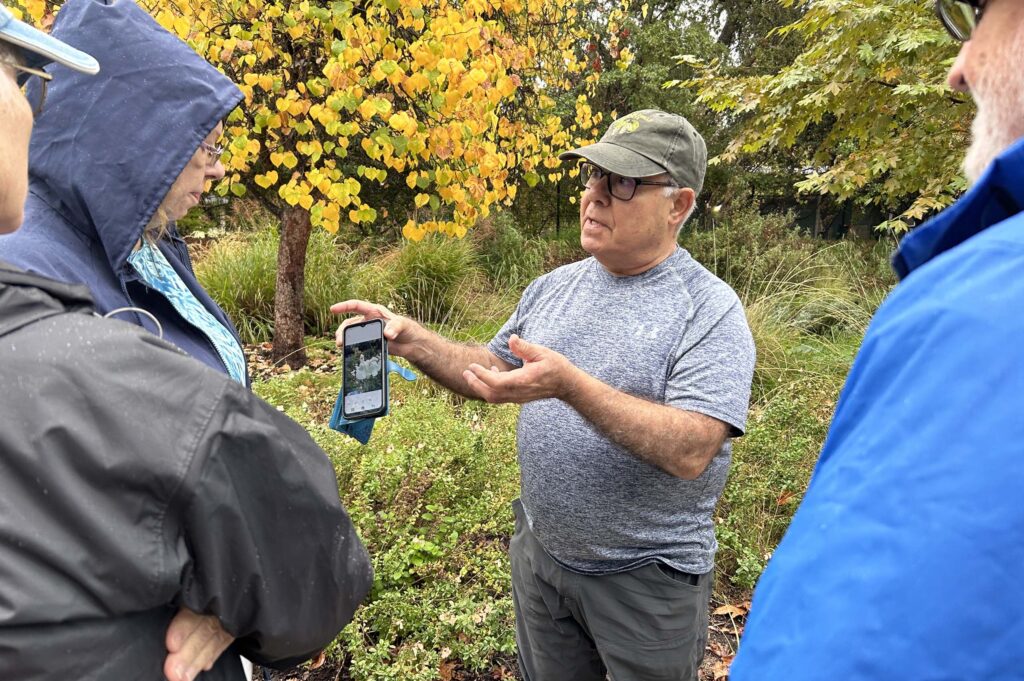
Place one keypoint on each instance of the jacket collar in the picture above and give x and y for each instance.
(27, 298)
(998, 195)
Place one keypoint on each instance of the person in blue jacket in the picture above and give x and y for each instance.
(904, 558)
(114, 161)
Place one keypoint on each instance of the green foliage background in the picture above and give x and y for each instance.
(863, 109)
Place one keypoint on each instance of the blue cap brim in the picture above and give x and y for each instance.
(40, 49)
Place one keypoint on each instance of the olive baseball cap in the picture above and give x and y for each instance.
(39, 49)
(649, 142)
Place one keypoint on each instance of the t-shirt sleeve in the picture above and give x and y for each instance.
(499, 344)
(714, 368)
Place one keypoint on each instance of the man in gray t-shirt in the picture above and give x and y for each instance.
(633, 368)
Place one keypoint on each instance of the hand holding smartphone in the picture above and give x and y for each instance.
(364, 382)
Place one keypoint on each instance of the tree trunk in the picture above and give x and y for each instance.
(291, 282)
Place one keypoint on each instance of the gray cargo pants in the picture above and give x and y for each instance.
(646, 624)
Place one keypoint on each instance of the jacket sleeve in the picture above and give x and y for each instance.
(271, 550)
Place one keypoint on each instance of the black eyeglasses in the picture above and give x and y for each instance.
(960, 17)
(33, 83)
(619, 186)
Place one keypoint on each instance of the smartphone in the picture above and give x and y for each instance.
(364, 382)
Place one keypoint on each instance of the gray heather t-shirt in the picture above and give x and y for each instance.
(675, 334)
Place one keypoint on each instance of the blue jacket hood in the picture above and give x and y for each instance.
(155, 101)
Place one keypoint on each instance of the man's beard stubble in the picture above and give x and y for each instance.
(999, 121)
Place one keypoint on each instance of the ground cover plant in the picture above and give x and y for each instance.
(431, 492)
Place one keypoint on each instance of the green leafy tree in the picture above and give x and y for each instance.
(747, 28)
(865, 104)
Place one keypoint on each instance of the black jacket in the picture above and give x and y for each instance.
(134, 480)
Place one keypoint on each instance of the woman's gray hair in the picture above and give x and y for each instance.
(158, 226)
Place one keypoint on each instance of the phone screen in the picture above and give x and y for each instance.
(364, 369)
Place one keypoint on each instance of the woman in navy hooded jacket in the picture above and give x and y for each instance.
(113, 162)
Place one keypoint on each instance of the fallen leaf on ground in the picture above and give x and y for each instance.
(730, 610)
(721, 668)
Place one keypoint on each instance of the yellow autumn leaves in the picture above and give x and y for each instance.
(444, 106)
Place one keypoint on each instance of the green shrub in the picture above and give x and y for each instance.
(564, 250)
(330, 278)
(754, 253)
(430, 495)
(434, 279)
(790, 283)
(219, 216)
(240, 273)
(774, 460)
(197, 223)
(510, 259)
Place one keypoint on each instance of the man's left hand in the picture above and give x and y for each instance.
(544, 374)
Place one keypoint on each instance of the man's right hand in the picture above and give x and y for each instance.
(437, 357)
(402, 333)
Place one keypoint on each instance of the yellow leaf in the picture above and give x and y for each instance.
(332, 213)
(267, 179)
(367, 109)
(421, 200)
(182, 27)
(412, 231)
(477, 76)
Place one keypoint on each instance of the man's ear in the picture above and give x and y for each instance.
(682, 205)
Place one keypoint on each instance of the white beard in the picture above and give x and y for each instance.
(1000, 118)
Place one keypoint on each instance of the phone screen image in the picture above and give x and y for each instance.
(364, 369)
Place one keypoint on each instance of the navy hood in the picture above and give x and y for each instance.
(157, 100)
